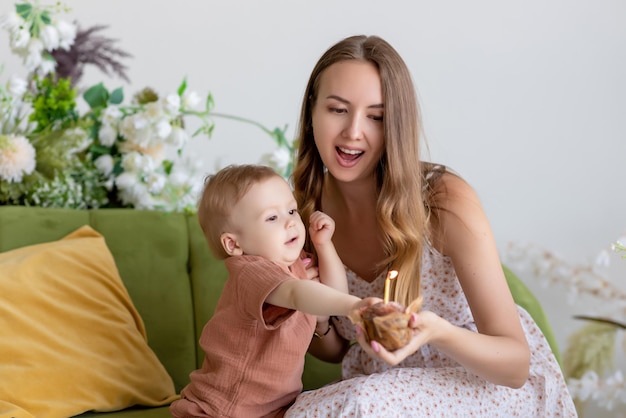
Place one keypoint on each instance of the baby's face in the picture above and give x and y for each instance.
(266, 222)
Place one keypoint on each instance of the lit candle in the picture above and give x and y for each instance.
(392, 274)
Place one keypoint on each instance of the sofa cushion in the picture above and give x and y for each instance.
(71, 339)
(154, 258)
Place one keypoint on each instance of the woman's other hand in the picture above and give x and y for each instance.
(423, 325)
(312, 272)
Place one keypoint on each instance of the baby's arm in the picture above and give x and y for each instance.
(331, 270)
(315, 298)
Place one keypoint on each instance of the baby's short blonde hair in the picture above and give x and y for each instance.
(222, 191)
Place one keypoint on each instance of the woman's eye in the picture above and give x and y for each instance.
(337, 110)
(377, 118)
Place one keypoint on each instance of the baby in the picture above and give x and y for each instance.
(264, 321)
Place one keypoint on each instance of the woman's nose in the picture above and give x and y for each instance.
(354, 130)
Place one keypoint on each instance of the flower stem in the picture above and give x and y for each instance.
(242, 119)
(603, 320)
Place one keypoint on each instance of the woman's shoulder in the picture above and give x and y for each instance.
(444, 187)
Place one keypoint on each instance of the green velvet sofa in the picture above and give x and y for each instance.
(172, 279)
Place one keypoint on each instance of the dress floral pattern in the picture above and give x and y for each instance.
(429, 383)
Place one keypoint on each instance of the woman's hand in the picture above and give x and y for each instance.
(312, 272)
(423, 324)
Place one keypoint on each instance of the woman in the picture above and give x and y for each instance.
(473, 352)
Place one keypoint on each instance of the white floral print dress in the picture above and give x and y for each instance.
(428, 383)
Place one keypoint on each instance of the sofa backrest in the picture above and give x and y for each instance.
(163, 260)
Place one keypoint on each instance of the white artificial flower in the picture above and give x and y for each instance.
(17, 86)
(163, 129)
(178, 137)
(80, 138)
(137, 162)
(135, 129)
(33, 55)
(190, 100)
(20, 39)
(171, 103)
(155, 182)
(153, 110)
(17, 158)
(104, 164)
(281, 157)
(584, 388)
(603, 259)
(111, 115)
(50, 37)
(11, 21)
(47, 66)
(67, 34)
(126, 180)
(107, 135)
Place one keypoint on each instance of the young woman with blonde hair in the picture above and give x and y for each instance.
(473, 352)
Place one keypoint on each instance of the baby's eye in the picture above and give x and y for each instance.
(293, 211)
(271, 218)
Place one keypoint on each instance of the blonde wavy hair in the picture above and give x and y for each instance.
(404, 195)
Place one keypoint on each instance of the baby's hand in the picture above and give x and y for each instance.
(321, 228)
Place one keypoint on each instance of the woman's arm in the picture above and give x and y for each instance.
(499, 351)
(330, 347)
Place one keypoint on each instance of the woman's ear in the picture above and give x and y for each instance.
(230, 244)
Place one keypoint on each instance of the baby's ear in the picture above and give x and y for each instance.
(230, 244)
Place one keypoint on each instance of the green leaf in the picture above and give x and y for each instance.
(209, 103)
(182, 87)
(98, 150)
(117, 96)
(96, 96)
(167, 166)
(45, 17)
(24, 10)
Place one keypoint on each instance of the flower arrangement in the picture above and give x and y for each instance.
(111, 155)
(589, 358)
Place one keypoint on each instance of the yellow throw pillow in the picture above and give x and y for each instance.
(71, 339)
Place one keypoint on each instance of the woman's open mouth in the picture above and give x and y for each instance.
(348, 157)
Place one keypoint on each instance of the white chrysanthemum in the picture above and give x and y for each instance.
(190, 100)
(17, 86)
(107, 135)
(104, 164)
(50, 37)
(17, 157)
(67, 34)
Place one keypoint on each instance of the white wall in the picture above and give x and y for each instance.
(526, 99)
